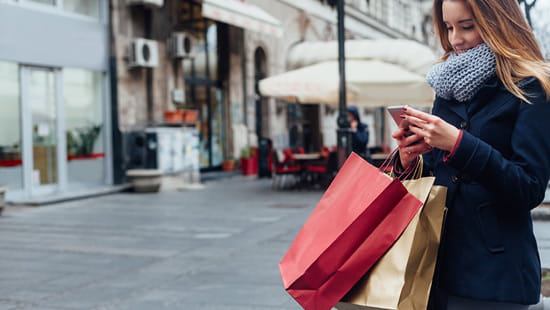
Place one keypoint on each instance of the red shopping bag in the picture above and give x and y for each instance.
(359, 217)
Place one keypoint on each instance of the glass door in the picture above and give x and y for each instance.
(211, 127)
(217, 125)
(41, 130)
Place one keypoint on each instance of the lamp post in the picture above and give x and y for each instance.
(344, 131)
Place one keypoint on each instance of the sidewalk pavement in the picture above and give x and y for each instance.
(214, 247)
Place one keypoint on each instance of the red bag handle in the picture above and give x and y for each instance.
(414, 170)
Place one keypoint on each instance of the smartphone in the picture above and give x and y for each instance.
(395, 112)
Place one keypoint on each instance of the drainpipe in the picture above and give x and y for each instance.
(148, 25)
(117, 141)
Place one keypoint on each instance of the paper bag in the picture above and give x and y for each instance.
(356, 221)
(402, 278)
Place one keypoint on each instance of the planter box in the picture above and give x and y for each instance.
(173, 117)
(249, 166)
(145, 180)
(190, 116)
(228, 165)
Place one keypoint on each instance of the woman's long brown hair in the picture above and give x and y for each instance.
(504, 28)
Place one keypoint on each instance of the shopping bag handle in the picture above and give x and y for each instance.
(414, 171)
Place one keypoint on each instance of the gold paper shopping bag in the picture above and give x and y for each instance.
(402, 278)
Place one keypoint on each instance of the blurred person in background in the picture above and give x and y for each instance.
(360, 133)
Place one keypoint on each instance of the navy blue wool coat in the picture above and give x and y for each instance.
(498, 174)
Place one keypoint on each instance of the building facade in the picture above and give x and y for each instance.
(85, 81)
(231, 46)
(54, 82)
(311, 126)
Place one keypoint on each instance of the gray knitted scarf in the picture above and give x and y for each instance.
(461, 76)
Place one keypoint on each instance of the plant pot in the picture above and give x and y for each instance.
(190, 116)
(228, 165)
(249, 166)
(173, 117)
(145, 180)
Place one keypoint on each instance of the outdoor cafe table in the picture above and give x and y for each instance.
(307, 156)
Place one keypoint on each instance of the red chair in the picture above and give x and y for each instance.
(285, 168)
(321, 172)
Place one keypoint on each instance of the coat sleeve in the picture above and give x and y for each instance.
(520, 181)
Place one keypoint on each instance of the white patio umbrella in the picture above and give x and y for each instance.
(378, 73)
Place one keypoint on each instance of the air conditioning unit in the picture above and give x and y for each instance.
(153, 3)
(143, 53)
(180, 45)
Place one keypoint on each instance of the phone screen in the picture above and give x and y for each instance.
(395, 112)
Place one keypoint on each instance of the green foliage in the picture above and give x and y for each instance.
(80, 141)
(246, 152)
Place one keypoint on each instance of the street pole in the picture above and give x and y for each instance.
(343, 132)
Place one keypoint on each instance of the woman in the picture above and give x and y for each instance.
(488, 142)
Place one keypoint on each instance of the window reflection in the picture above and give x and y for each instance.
(206, 45)
(41, 99)
(84, 124)
(52, 2)
(84, 7)
(11, 171)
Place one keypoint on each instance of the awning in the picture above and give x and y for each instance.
(368, 83)
(378, 73)
(242, 14)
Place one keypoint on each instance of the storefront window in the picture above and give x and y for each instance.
(204, 94)
(84, 124)
(89, 8)
(11, 164)
(52, 2)
(217, 127)
(206, 46)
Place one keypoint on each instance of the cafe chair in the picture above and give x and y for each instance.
(321, 172)
(286, 172)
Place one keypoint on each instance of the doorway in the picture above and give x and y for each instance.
(44, 169)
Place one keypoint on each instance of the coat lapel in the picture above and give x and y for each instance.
(486, 91)
(456, 107)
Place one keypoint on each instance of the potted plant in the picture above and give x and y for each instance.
(173, 116)
(81, 141)
(249, 161)
(145, 180)
(190, 116)
(228, 164)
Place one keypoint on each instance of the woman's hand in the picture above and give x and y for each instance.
(410, 145)
(434, 131)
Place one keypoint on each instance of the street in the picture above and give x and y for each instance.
(214, 248)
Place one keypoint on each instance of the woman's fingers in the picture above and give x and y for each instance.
(408, 140)
(400, 133)
(419, 114)
(415, 121)
(434, 131)
(418, 148)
